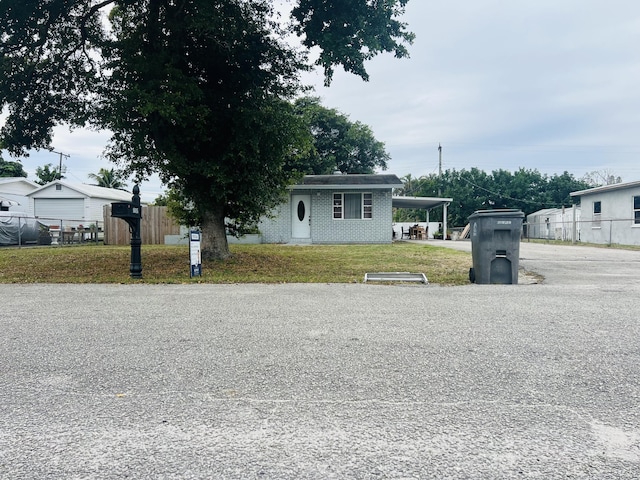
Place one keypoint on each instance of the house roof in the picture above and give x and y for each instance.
(545, 211)
(92, 191)
(7, 180)
(606, 188)
(419, 202)
(351, 181)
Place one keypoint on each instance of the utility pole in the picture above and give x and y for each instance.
(439, 170)
(60, 167)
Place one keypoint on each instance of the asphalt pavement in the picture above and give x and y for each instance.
(321, 381)
(571, 264)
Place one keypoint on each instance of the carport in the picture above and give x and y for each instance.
(427, 203)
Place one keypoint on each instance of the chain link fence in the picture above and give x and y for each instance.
(23, 229)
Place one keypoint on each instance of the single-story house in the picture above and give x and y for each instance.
(321, 209)
(13, 193)
(554, 224)
(72, 204)
(338, 209)
(610, 214)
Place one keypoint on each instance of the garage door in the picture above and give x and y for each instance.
(59, 208)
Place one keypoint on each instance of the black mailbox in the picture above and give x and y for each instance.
(131, 212)
(125, 210)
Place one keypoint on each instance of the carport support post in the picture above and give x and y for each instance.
(444, 221)
(427, 229)
(135, 269)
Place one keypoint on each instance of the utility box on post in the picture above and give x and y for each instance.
(495, 246)
(131, 212)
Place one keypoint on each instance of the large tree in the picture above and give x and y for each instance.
(11, 169)
(338, 143)
(196, 90)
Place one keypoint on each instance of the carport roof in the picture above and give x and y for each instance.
(419, 202)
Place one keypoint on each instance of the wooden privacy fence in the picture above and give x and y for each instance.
(156, 223)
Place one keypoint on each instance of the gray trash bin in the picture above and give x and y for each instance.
(495, 246)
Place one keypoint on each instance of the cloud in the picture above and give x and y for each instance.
(546, 84)
(549, 85)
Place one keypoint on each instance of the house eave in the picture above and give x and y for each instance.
(348, 182)
(605, 188)
(344, 187)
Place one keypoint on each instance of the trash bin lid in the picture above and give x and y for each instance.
(499, 212)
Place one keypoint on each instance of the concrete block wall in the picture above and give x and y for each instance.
(327, 230)
(276, 228)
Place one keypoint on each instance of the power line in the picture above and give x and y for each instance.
(507, 197)
(61, 155)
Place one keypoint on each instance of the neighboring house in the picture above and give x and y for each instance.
(13, 193)
(611, 214)
(554, 224)
(331, 209)
(72, 204)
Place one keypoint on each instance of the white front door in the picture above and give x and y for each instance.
(301, 216)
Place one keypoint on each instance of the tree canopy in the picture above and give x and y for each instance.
(474, 189)
(108, 178)
(11, 169)
(48, 173)
(198, 91)
(337, 142)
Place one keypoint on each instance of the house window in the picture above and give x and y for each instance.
(636, 210)
(597, 207)
(597, 213)
(349, 206)
(367, 205)
(337, 205)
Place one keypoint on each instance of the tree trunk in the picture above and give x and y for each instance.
(214, 244)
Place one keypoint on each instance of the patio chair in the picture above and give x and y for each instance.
(406, 233)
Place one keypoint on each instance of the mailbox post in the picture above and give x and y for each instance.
(131, 212)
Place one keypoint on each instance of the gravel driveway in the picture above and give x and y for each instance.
(327, 381)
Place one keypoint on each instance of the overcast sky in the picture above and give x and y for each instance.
(552, 85)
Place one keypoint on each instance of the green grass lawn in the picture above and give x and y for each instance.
(249, 264)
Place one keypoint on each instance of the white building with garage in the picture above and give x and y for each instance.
(13, 193)
(72, 204)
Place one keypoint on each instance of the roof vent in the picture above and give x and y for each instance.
(337, 172)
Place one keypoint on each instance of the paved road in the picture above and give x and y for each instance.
(324, 381)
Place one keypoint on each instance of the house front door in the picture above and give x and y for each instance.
(301, 216)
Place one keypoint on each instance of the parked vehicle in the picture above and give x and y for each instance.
(18, 228)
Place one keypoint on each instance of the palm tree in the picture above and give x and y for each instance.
(108, 179)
